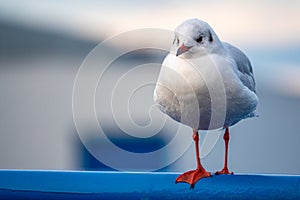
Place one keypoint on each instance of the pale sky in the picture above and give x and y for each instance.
(258, 23)
(252, 24)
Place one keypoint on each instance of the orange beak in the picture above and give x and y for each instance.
(182, 49)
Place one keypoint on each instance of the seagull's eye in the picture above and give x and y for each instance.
(199, 39)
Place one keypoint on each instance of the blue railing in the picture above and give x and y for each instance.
(26, 184)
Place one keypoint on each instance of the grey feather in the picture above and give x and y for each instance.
(243, 65)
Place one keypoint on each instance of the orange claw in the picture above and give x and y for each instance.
(191, 177)
(225, 169)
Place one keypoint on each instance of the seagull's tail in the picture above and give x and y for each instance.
(253, 114)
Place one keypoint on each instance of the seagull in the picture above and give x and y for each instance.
(206, 84)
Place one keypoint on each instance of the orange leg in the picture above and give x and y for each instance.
(191, 177)
(225, 169)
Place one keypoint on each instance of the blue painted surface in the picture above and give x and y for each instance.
(17, 184)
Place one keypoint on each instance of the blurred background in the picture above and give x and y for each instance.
(43, 43)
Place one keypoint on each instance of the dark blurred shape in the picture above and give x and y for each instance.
(20, 41)
(86, 161)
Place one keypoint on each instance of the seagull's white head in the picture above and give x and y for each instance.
(195, 38)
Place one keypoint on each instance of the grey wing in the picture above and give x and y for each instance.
(167, 102)
(243, 65)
